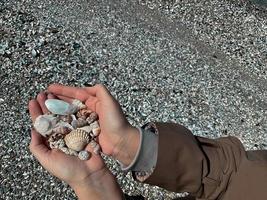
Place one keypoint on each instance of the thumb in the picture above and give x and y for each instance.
(38, 147)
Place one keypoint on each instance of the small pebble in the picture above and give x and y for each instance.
(84, 155)
(34, 53)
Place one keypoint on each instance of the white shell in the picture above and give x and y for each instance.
(44, 124)
(84, 155)
(64, 124)
(60, 107)
(95, 128)
(78, 103)
(96, 131)
(68, 151)
(95, 124)
(57, 144)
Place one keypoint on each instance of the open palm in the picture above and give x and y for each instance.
(67, 168)
(112, 121)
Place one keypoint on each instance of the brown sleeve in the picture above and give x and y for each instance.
(208, 168)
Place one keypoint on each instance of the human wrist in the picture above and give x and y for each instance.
(99, 185)
(127, 147)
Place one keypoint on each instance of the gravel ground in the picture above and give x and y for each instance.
(198, 63)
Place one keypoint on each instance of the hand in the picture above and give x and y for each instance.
(117, 138)
(87, 178)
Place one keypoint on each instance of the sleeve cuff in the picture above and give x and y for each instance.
(146, 157)
(129, 167)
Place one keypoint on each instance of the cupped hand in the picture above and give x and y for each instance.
(80, 175)
(117, 138)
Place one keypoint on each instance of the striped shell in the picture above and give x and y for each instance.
(78, 103)
(84, 113)
(77, 139)
(92, 117)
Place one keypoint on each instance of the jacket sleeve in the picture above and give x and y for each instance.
(208, 168)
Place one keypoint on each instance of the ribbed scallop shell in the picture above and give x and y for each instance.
(77, 139)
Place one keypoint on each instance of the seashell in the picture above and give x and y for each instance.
(93, 117)
(77, 139)
(60, 107)
(84, 113)
(78, 123)
(64, 124)
(96, 131)
(73, 117)
(95, 146)
(72, 153)
(44, 124)
(84, 155)
(57, 144)
(78, 103)
(68, 151)
(65, 150)
(88, 129)
(62, 130)
(95, 128)
(54, 137)
(66, 118)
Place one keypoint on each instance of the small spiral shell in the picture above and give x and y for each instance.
(84, 113)
(78, 123)
(92, 117)
(62, 130)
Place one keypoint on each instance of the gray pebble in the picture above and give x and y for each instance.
(84, 155)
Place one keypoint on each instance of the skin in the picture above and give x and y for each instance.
(90, 179)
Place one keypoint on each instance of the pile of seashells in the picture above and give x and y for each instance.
(69, 127)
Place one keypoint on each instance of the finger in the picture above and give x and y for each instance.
(94, 156)
(64, 98)
(41, 98)
(72, 92)
(34, 109)
(38, 147)
(91, 102)
(99, 91)
(51, 96)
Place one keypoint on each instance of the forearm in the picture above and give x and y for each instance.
(207, 168)
(102, 185)
(127, 148)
